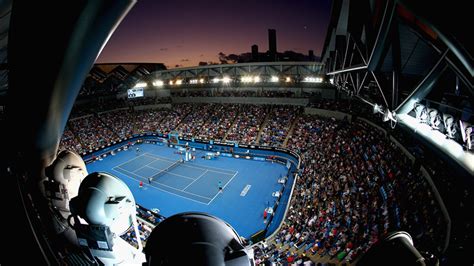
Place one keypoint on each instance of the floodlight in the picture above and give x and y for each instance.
(287, 79)
(256, 79)
(193, 81)
(467, 133)
(470, 138)
(215, 80)
(171, 82)
(140, 85)
(103, 210)
(205, 240)
(421, 113)
(434, 118)
(274, 79)
(377, 109)
(201, 80)
(389, 115)
(313, 79)
(331, 81)
(449, 125)
(158, 83)
(225, 80)
(179, 81)
(246, 79)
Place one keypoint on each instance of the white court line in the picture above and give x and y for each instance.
(130, 160)
(166, 191)
(165, 185)
(230, 179)
(144, 165)
(207, 168)
(170, 173)
(195, 180)
(222, 173)
(223, 187)
(217, 168)
(158, 157)
(202, 167)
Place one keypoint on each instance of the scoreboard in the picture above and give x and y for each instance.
(135, 92)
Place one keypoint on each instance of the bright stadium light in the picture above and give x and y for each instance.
(421, 113)
(449, 125)
(378, 109)
(140, 85)
(467, 133)
(193, 81)
(287, 79)
(158, 83)
(246, 79)
(201, 80)
(226, 80)
(274, 79)
(331, 81)
(389, 115)
(435, 118)
(179, 81)
(256, 79)
(215, 80)
(171, 82)
(313, 80)
(470, 138)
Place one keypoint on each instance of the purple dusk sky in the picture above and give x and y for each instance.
(185, 32)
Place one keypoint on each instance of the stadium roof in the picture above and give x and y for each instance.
(243, 69)
(103, 78)
(393, 54)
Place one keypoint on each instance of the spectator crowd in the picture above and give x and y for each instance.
(355, 184)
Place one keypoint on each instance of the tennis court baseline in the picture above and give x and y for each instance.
(184, 179)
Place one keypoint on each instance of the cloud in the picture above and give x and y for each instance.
(201, 55)
(185, 60)
(164, 49)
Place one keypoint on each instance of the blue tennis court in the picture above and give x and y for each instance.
(247, 185)
(188, 180)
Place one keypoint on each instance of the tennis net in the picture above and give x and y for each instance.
(166, 170)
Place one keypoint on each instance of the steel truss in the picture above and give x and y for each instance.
(355, 62)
